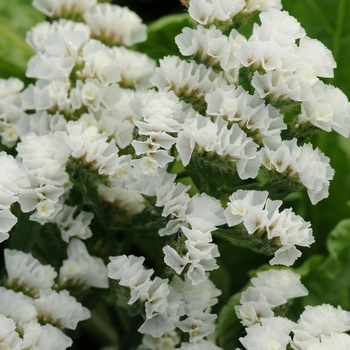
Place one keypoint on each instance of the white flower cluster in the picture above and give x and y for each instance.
(80, 76)
(44, 159)
(35, 321)
(11, 111)
(63, 8)
(261, 216)
(82, 269)
(319, 327)
(162, 304)
(322, 327)
(249, 112)
(201, 135)
(270, 290)
(301, 165)
(72, 225)
(13, 181)
(115, 25)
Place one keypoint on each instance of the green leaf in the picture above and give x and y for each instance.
(161, 36)
(338, 242)
(229, 328)
(16, 18)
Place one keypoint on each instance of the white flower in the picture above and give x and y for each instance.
(37, 35)
(202, 135)
(132, 202)
(206, 12)
(285, 281)
(28, 273)
(302, 164)
(58, 8)
(81, 268)
(198, 324)
(157, 112)
(186, 79)
(261, 5)
(17, 306)
(200, 345)
(9, 338)
(136, 68)
(73, 226)
(236, 105)
(329, 112)
(210, 45)
(44, 337)
(60, 309)
(273, 333)
(115, 25)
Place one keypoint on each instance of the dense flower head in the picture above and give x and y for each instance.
(81, 268)
(304, 165)
(115, 25)
(203, 136)
(267, 293)
(27, 273)
(261, 216)
(162, 304)
(63, 8)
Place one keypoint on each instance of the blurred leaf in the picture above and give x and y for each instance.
(16, 18)
(161, 36)
(339, 242)
(229, 328)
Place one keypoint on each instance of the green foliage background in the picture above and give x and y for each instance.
(325, 267)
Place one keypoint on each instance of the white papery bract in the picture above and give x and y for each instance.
(232, 145)
(115, 25)
(27, 273)
(300, 164)
(60, 309)
(81, 268)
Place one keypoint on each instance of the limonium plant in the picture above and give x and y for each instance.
(122, 178)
